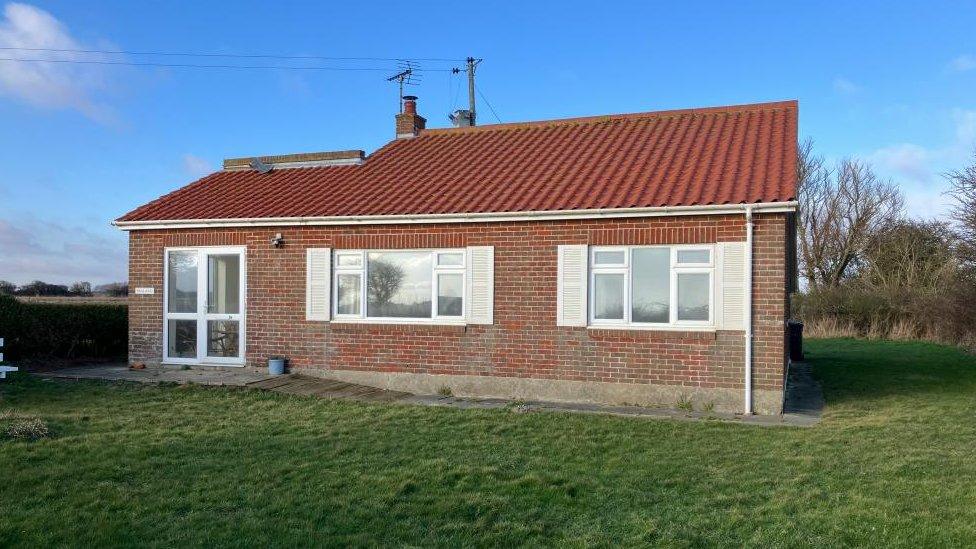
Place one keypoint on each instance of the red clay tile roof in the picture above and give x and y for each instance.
(722, 155)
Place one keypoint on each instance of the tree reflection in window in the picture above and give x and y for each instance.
(398, 285)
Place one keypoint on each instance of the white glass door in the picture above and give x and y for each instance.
(204, 306)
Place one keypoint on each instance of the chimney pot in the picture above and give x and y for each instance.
(408, 122)
(410, 104)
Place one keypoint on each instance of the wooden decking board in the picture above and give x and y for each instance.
(297, 384)
(331, 385)
(272, 382)
(351, 391)
(305, 387)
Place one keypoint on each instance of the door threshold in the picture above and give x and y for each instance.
(206, 365)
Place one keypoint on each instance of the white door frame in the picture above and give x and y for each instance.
(201, 316)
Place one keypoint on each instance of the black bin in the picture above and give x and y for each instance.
(796, 339)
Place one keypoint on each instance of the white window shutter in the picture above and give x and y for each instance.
(318, 283)
(481, 285)
(571, 285)
(732, 289)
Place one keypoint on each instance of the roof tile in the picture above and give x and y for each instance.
(721, 155)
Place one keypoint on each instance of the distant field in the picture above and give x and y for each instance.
(73, 300)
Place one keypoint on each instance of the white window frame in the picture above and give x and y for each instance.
(675, 269)
(363, 271)
(359, 270)
(201, 316)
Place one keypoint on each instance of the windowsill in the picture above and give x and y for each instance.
(689, 328)
(345, 324)
(405, 322)
(663, 332)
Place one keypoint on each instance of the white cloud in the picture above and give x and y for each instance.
(965, 130)
(194, 166)
(47, 250)
(906, 159)
(844, 86)
(918, 169)
(918, 163)
(49, 85)
(963, 63)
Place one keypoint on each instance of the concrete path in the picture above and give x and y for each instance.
(804, 397)
(803, 393)
(121, 372)
(296, 384)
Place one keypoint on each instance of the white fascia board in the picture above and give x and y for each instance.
(490, 217)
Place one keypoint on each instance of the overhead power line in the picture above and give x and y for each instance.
(209, 66)
(485, 99)
(234, 55)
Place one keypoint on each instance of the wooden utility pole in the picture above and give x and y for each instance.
(471, 102)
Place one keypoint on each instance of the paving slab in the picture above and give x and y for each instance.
(121, 372)
(804, 400)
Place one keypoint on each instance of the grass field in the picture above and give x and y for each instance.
(892, 464)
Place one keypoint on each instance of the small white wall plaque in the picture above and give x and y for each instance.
(145, 291)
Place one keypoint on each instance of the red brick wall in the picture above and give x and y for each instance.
(524, 341)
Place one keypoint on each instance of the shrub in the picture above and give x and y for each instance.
(908, 285)
(28, 429)
(61, 330)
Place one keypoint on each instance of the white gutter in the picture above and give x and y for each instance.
(748, 314)
(490, 217)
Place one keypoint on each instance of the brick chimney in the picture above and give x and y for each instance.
(408, 122)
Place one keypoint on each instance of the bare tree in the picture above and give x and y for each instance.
(963, 193)
(840, 210)
(114, 289)
(7, 288)
(39, 288)
(911, 257)
(80, 289)
(813, 181)
(384, 282)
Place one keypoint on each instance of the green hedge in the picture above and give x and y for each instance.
(65, 331)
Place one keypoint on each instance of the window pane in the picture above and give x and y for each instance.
(693, 296)
(450, 260)
(182, 282)
(610, 257)
(651, 280)
(693, 256)
(399, 284)
(223, 338)
(224, 284)
(182, 336)
(349, 260)
(608, 296)
(349, 296)
(449, 296)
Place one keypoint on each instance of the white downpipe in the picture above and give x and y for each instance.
(748, 313)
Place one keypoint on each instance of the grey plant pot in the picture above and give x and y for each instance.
(276, 366)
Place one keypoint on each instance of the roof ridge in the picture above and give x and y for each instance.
(596, 119)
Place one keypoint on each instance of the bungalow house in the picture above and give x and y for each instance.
(638, 258)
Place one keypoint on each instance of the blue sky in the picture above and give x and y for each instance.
(891, 82)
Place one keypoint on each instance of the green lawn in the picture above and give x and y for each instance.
(892, 463)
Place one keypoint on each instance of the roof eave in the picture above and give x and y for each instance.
(481, 217)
